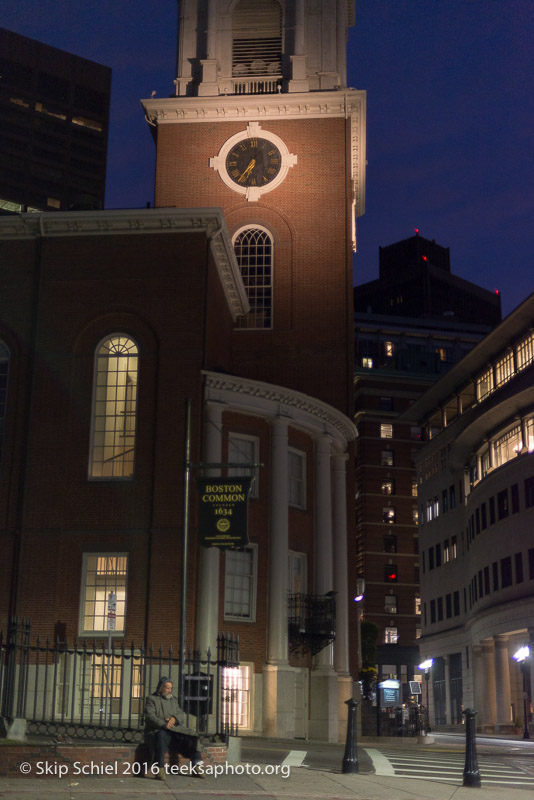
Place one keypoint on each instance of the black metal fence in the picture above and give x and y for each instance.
(96, 689)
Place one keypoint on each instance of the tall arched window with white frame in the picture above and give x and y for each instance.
(114, 408)
(253, 248)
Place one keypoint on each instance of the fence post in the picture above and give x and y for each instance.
(471, 771)
(350, 764)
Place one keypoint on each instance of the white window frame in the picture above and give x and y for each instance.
(246, 323)
(301, 456)
(235, 471)
(251, 617)
(121, 603)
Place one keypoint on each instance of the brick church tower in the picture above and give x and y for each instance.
(263, 126)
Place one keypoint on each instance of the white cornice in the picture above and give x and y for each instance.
(268, 399)
(133, 222)
(244, 108)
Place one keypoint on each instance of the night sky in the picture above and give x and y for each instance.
(450, 118)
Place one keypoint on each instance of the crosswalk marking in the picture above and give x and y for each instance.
(446, 768)
(295, 758)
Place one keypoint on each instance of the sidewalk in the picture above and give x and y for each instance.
(302, 783)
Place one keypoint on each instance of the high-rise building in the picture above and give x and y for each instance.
(54, 110)
(397, 359)
(475, 476)
(415, 280)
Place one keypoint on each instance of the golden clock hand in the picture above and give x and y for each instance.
(247, 171)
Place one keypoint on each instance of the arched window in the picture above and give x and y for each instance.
(114, 408)
(254, 252)
(257, 38)
(4, 372)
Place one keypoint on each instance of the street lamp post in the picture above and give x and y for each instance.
(426, 665)
(360, 594)
(521, 657)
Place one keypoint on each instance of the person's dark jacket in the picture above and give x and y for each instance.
(157, 708)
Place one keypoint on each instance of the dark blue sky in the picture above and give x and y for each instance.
(450, 118)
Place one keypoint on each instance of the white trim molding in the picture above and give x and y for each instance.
(268, 400)
(345, 103)
(209, 221)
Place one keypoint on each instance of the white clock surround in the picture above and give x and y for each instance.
(253, 193)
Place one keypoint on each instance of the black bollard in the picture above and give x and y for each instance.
(350, 763)
(471, 770)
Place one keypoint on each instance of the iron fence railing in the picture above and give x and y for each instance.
(96, 690)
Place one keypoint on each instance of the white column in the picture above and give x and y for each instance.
(324, 696)
(279, 691)
(209, 86)
(341, 646)
(207, 618)
(502, 678)
(278, 546)
(324, 571)
(524, 434)
(299, 74)
(341, 37)
(479, 683)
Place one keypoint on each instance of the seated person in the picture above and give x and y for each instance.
(165, 721)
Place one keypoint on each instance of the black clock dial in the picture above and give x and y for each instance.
(253, 162)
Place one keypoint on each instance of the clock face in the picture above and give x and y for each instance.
(253, 162)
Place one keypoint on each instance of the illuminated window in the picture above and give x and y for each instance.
(390, 573)
(504, 368)
(387, 487)
(414, 487)
(244, 450)
(254, 253)
(415, 515)
(390, 603)
(417, 601)
(297, 478)
(367, 361)
(103, 575)
(389, 515)
(8, 205)
(240, 584)
(508, 446)
(236, 692)
(50, 112)
(18, 101)
(485, 384)
(389, 349)
(53, 202)
(525, 352)
(387, 458)
(386, 430)
(114, 409)
(84, 122)
(391, 635)
(441, 352)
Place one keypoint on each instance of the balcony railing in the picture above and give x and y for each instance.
(312, 622)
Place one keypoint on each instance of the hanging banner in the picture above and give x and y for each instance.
(223, 511)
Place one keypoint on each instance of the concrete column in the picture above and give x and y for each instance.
(300, 37)
(446, 661)
(479, 467)
(490, 694)
(531, 668)
(443, 417)
(491, 453)
(478, 683)
(502, 678)
(341, 36)
(278, 546)
(207, 618)
(459, 404)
